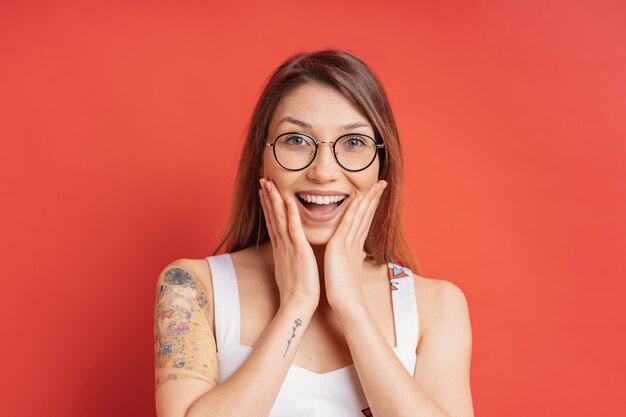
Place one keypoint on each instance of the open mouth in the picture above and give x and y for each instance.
(321, 208)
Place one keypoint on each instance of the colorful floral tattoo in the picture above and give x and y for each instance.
(184, 345)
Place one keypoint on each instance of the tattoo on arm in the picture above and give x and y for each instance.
(184, 345)
(297, 323)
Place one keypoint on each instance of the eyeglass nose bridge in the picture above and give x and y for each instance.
(332, 150)
(331, 143)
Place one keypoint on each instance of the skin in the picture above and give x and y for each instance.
(316, 275)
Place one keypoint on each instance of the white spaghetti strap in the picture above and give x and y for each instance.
(405, 315)
(226, 302)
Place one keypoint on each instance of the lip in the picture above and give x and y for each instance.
(321, 192)
(316, 217)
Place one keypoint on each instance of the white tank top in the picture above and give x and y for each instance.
(305, 393)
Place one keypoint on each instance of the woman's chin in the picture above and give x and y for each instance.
(318, 237)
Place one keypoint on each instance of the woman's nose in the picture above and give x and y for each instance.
(324, 166)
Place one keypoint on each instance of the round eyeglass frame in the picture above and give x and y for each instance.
(378, 147)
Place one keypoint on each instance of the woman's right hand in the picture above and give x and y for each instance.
(295, 266)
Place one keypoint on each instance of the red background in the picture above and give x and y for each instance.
(121, 126)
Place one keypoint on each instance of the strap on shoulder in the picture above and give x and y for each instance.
(405, 315)
(225, 301)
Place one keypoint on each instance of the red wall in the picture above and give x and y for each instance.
(121, 127)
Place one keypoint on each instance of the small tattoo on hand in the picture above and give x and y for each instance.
(297, 323)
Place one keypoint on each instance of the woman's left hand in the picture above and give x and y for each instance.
(344, 256)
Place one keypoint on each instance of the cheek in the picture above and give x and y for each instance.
(271, 170)
(278, 175)
(367, 180)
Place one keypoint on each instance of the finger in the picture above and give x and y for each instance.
(278, 206)
(369, 215)
(348, 218)
(267, 215)
(295, 224)
(268, 204)
(360, 213)
(270, 232)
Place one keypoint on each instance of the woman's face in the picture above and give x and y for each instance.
(323, 113)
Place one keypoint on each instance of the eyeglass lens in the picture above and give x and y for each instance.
(353, 152)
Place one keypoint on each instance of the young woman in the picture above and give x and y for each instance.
(315, 309)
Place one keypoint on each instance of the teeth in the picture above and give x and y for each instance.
(318, 199)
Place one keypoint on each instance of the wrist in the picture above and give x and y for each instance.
(307, 304)
(348, 307)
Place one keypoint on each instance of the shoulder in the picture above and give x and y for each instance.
(440, 291)
(198, 272)
(431, 291)
(440, 302)
(198, 269)
(194, 270)
(186, 279)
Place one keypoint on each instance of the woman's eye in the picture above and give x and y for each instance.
(297, 141)
(355, 142)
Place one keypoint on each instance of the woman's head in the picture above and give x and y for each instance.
(317, 112)
(319, 93)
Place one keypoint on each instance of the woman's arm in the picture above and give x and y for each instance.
(186, 358)
(445, 349)
(441, 386)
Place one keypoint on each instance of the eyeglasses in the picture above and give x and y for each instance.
(354, 152)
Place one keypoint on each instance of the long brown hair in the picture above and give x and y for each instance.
(350, 76)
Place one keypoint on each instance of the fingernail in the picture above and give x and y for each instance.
(268, 185)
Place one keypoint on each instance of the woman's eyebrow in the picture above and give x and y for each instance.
(305, 125)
